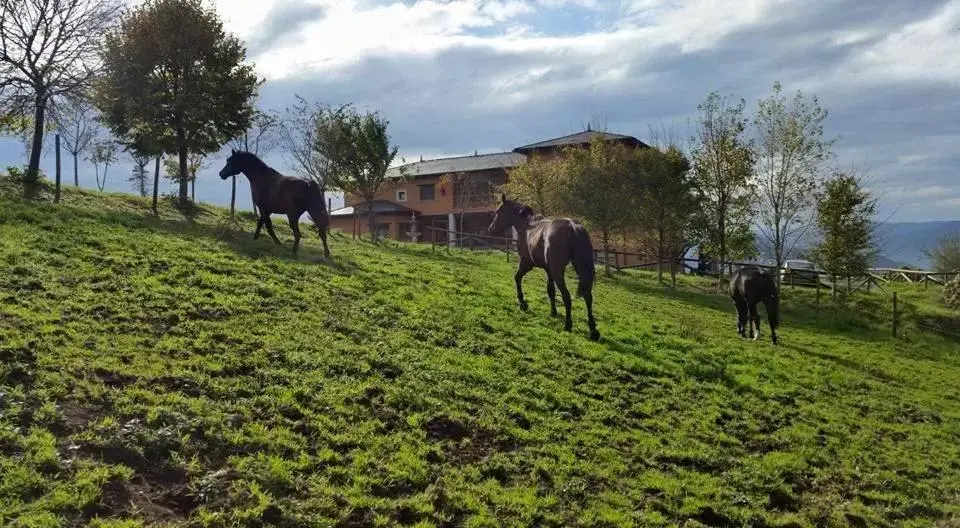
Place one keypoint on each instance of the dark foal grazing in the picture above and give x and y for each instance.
(275, 193)
(748, 287)
(551, 245)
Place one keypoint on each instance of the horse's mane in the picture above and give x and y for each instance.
(255, 160)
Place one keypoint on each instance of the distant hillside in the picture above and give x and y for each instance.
(899, 243)
(904, 242)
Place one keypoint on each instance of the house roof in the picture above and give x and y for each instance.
(578, 139)
(498, 160)
(379, 207)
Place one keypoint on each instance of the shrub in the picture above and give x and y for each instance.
(951, 293)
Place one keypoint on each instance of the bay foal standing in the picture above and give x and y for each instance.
(276, 193)
(550, 244)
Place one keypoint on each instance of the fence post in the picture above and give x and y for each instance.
(792, 285)
(895, 314)
(56, 196)
(818, 291)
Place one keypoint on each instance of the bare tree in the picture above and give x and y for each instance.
(77, 129)
(260, 139)
(103, 154)
(789, 151)
(48, 51)
(300, 128)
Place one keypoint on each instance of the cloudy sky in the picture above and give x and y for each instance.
(488, 75)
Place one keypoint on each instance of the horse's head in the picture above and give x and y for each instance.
(236, 163)
(508, 214)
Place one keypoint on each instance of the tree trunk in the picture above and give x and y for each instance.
(56, 195)
(233, 195)
(182, 154)
(33, 169)
(76, 172)
(606, 253)
(371, 221)
(156, 185)
(193, 188)
(723, 251)
(660, 253)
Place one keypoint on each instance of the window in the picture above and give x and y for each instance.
(402, 196)
(428, 191)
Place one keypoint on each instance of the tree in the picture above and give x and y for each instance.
(259, 138)
(845, 218)
(77, 128)
(722, 168)
(945, 256)
(789, 152)
(359, 152)
(599, 186)
(196, 162)
(104, 153)
(48, 51)
(139, 177)
(536, 183)
(176, 79)
(668, 202)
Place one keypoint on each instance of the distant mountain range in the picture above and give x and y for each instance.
(903, 243)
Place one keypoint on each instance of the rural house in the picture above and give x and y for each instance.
(450, 195)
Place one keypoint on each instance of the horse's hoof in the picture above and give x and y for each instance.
(754, 338)
(568, 327)
(554, 314)
(523, 306)
(594, 335)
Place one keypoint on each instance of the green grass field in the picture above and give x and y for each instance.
(165, 371)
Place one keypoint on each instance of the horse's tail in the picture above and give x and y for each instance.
(583, 261)
(317, 206)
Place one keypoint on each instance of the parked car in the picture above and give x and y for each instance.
(802, 273)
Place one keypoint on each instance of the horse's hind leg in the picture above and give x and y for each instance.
(269, 224)
(588, 299)
(754, 317)
(552, 294)
(560, 281)
(323, 238)
(295, 227)
(741, 316)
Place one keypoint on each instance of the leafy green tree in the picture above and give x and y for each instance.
(789, 150)
(537, 183)
(48, 52)
(174, 78)
(139, 176)
(945, 256)
(358, 149)
(845, 218)
(599, 186)
(668, 202)
(723, 165)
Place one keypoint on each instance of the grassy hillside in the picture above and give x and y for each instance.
(175, 372)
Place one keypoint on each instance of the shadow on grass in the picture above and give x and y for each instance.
(800, 315)
(216, 228)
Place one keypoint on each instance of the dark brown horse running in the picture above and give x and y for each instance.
(551, 245)
(274, 193)
(748, 287)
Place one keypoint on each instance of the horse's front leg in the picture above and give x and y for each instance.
(256, 233)
(269, 225)
(524, 268)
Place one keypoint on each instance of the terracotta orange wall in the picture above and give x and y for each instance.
(441, 204)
